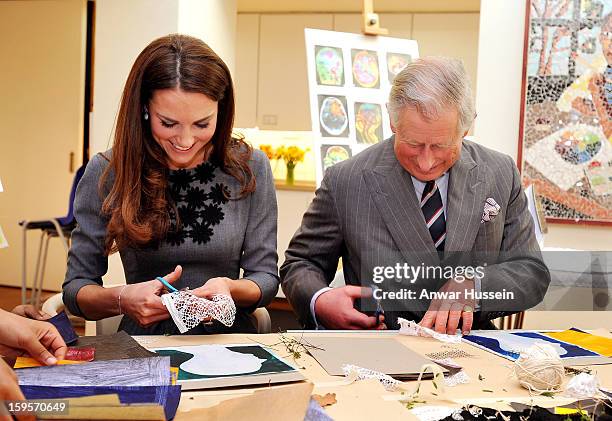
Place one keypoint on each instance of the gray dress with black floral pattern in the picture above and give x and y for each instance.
(218, 236)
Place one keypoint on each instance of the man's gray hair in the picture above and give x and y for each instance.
(432, 85)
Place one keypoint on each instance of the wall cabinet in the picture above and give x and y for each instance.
(271, 75)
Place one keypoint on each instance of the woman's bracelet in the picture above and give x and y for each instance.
(119, 299)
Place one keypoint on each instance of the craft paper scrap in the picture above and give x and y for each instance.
(1, 188)
(164, 395)
(599, 344)
(117, 346)
(80, 354)
(3, 241)
(510, 344)
(152, 371)
(64, 327)
(26, 362)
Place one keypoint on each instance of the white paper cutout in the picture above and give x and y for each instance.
(217, 360)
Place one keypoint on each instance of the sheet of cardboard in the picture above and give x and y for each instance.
(285, 403)
(364, 400)
(241, 381)
(386, 355)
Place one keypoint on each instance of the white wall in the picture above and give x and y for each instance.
(500, 61)
(214, 22)
(118, 41)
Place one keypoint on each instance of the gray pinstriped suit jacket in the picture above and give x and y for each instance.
(366, 212)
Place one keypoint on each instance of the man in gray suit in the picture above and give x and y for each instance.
(424, 198)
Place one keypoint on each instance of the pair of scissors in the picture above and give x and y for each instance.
(166, 284)
(379, 310)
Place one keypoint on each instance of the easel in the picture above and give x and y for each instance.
(370, 22)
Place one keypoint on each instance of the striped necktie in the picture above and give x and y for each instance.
(433, 211)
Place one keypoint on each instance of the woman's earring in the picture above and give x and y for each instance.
(146, 114)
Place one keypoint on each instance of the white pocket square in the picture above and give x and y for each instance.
(490, 211)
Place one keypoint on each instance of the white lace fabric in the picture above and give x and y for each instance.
(412, 328)
(359, 373)
(187, 310)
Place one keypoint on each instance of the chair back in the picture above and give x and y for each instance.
(69, 218)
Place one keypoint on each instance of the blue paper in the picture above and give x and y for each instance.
(316, 413)
(64, 327)
(167, 396)
(493, 345)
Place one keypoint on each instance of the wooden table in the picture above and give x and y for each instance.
(491, 382)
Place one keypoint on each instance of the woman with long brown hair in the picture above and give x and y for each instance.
(177, 194)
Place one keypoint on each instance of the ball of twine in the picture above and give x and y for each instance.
(539, 369)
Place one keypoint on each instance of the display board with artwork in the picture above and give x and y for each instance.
(565, 140)
(349, 76)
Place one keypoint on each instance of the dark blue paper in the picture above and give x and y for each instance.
(167, 396)
(493, 344)
(64, 327)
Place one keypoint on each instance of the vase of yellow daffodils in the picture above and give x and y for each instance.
(290, 154)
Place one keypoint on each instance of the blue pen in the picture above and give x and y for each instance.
(166, 284)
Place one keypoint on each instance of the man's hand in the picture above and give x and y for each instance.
(21, 336)
(334, 309)
(31, 312)
(9, 391)
(214, 286)
(142, 301)
(444, 315)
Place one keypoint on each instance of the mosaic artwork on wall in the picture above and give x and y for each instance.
(349, 78)
(565, 140)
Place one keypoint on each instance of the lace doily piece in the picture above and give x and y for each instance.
(460, 377)
(411, 328)
(432, 413)
(359, 373)
(447, 354)
(188, 310)
(448, 363)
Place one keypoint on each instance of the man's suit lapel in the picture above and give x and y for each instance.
(395, 198)
(464, 203)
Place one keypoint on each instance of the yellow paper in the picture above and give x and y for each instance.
(569, 411)
(26, 362)
(174, 372)
(598, 344)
